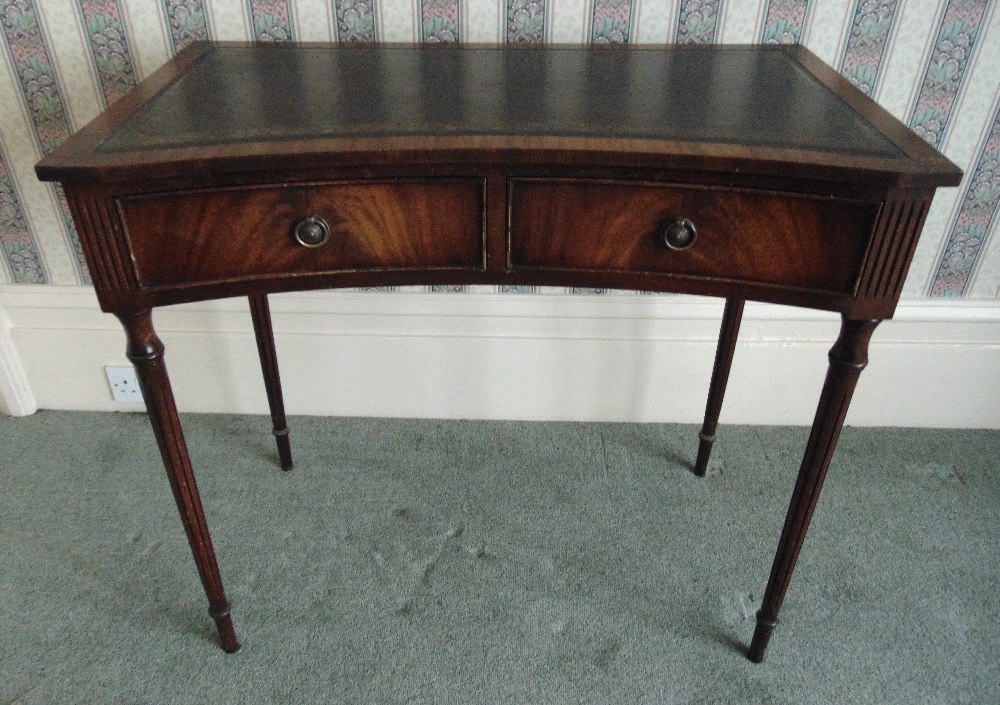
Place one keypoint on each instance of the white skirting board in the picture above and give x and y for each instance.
(614, 357)
(16, 397)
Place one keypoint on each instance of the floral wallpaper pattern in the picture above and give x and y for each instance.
(784, 21)
(271, 20)
(41, 94)
(355, 21)
(954, 45)
(525, 21)
(977, 212)
(611, 22)
(58, 71)
(19, 248)
(187, 20)
(439, 20)
(868, 42)
(698, 21)
(102, 20)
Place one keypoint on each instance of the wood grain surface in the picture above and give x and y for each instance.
(781, 239)
(235, 234)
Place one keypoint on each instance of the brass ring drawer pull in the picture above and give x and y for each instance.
(311, 231)
(677, 233)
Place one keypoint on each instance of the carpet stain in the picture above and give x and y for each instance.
(935, 471)
(22, 697)
(607, 654)
(738, 607)
(748, 693)
(580, 640)
(715, 467)
(432, 562)
(407, 548)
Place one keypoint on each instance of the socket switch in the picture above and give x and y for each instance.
(124, 384)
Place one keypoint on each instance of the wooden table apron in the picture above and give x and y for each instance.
(748, 173)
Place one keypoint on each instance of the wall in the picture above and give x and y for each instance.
(935, 65)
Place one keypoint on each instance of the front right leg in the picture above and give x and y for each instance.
(731, 318)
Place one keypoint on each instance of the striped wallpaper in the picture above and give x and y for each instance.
(935, 64)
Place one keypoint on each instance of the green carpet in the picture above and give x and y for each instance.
(408, 561)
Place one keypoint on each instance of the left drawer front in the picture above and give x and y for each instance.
(243, 233)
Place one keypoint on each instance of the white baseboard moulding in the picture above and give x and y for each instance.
(16, 397)
(613, 357)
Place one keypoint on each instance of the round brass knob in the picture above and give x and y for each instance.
(678, 233)
(311, 231)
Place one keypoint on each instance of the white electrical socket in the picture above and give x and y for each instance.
(124, 384)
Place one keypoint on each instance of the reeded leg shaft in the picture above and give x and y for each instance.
(260, 312)
(731, 318)
(146, 352)
(848, 358)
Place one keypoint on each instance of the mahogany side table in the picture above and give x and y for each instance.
(731, 171)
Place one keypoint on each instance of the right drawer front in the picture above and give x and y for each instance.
(771, 238)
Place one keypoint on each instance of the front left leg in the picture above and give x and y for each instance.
(848, 358)
(146, 352)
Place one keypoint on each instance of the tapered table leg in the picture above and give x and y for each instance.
(848, 358)
(731, 318)
(260, 312)
(146, 352)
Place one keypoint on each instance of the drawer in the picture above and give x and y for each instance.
(249, 232)
(764, 237)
